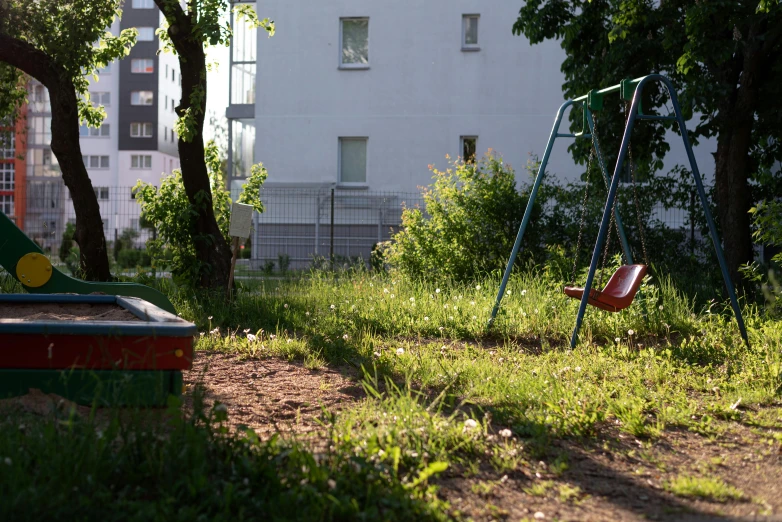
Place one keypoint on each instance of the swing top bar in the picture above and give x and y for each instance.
(625, 88)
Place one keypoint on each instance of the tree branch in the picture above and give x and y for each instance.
(22, 55)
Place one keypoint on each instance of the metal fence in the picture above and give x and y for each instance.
(298, 226)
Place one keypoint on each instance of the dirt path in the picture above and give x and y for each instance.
(272, 395)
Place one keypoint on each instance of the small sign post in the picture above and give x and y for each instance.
(241, 221)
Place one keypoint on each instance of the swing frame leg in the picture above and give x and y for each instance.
(534, 193)
(601, 237)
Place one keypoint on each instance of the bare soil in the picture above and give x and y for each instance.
(65, 312)
(272, 395)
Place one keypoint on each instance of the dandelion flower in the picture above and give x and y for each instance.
(617, 339)
(660, 307)
(630, 332)
(285, 306)
(507, 292)
(412, 299)
(470, 424)
(506, 433)
(385, 290)
(333, 307)
(426, 319)
(523, 292)
(307, 314)
(252, 338)
(246, 330)
(441, 328)
(377, 354)
(332, 483)
(346, 337)
(437, 291)
(400, 351)
(210, 317)
(477, 287)
(472, 303)
(391, 296)
(474, 317)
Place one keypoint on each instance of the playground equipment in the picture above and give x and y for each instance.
(124, 351)
(134, 356)
(28, 264)
(621, 289)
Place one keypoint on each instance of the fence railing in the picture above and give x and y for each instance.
(299, 225)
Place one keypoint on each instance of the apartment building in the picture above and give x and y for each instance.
(135, 142)
(367, 94)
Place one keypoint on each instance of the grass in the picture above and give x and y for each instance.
(706, 488)
(445, 397)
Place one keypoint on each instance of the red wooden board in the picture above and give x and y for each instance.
(27, 351)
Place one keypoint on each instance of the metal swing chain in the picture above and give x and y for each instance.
(583, 208)
(635, 191)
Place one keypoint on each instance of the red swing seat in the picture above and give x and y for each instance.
(618, 293)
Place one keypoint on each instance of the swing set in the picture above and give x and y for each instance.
(621, 288)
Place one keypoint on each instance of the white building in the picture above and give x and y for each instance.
(368, 93)
(362, 96)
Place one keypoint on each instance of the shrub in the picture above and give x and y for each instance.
(168, 210)
(474, 214)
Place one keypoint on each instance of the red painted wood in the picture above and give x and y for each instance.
(28, 351)
(618, 293)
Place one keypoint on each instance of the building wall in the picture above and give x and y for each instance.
(420, 94)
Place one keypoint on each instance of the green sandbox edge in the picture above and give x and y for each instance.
(99, 387)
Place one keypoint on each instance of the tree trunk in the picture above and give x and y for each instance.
(65, 146)
(211, 248)
(732, 160)
(89, 235)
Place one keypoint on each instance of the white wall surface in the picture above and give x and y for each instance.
(420, 94)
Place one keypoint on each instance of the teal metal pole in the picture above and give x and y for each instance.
(528, 212)
(604, 172)
(705, 202)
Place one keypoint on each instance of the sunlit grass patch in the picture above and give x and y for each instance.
(706, 488)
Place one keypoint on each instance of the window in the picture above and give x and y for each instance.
(354, 43)
(173, 75)
(141, 98)
(96, 162)
(141, 130)
(101, 192)
(7, 204)
(469, 147)
(165, 133)
(7, 176)
(143, 4)
(172, 135)
(142, 65)
(353, 160)
(103, 131)
(173, 109)
(100, 98)
(146, 34)
(470, 33)
(140, 161)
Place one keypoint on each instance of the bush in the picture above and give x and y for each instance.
(133, 257)
(168, 210)
(766, 216)
(474, 214)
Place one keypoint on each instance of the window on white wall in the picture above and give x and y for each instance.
(140, 161)
(142, 65)
(96, 162)
(143, 4)
(469, 146)
(470, 32)
(104, 131)
(100, 98)
(145, 34)
(353, 160)
(354, 43)
(142, 97)
(141, 130)
(101, 192)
